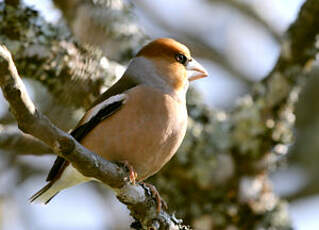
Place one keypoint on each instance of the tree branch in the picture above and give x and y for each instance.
(137, 198)
(74, 74)
(200, 48)
(12, 139)
(247, 10)
(109, 25)
(12, 2)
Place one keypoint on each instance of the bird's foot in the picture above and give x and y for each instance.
(160, 202)
(133, 174)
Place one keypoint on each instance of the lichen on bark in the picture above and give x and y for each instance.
(75, 74)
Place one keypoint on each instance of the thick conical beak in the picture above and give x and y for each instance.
(195, 70)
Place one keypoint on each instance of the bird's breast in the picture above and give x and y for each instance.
(146, 131)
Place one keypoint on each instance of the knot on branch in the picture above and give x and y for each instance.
(5, 59)
(4, 66)
(12, 90)
(64, 146)
(162, 222)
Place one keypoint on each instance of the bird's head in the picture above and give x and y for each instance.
(167, 64)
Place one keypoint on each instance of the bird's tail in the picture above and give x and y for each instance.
(45, 194)
(68, 178)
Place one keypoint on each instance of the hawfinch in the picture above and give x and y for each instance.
(140, 120)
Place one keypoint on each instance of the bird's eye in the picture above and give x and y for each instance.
(181, 58)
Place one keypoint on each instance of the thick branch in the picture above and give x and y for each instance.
(247, 10)
(299, 50)
(12, 2)
(109, 25)
(12, 139)
(74, 74)
(300, 47)
(31, 121)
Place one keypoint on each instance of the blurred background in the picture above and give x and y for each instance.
(238, 41)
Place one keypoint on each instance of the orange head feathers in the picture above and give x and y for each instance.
(166, 61)
(164, 47)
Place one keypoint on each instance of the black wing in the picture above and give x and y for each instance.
(124, 84)
(80, 132)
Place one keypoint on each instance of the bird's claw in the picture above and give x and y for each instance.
(132, 173)
(155, 194)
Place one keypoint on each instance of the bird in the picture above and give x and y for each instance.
(141, 120)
